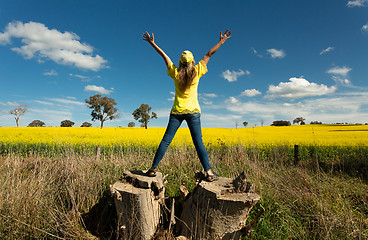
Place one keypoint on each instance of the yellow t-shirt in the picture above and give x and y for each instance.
(187, 101)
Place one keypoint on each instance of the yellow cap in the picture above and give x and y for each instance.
(186, 57)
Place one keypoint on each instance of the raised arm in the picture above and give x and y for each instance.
(151, 40)
(223, 38)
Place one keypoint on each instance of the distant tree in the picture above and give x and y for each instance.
(236, 124)
(281, 123)
(18, 112)
(36, 123)
(86, 124)
(131, 124)
(103, 108)
(245, 124)
(299, 120)
(142, 114)
(66, 123)
(315, 122)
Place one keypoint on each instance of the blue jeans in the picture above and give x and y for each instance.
(194, 124)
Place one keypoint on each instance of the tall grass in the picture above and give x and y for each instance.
(63, 194)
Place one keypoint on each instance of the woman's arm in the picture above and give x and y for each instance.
(151, 40)
(223, 38)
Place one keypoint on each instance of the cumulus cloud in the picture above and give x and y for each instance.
(298, 88)
(41, 43)
(232, 76)
(99, 89)
(326, 50)
(233, 100)
(276, 53)
(357, 3)
(250, 93)
(351, 107)
(342, 71)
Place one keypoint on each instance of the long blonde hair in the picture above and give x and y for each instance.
(186, 75)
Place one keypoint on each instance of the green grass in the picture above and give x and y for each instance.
(55, 194)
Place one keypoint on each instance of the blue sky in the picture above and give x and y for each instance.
(285, 59)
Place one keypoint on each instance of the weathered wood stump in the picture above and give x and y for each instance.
(138, 201)
(218, 210)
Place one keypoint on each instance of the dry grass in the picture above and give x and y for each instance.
(65, 196)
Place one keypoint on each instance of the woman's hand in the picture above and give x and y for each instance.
(148, 38)
(151, 40)
(226, 36)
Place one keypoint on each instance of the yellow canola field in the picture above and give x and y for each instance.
(327, 135)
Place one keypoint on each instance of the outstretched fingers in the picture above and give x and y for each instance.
(147, 37)
(226, 35)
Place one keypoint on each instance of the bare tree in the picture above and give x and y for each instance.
(262, 122)
(103, 108)
(18, 112)
(236, 124)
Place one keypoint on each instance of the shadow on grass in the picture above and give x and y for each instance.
(101, 220)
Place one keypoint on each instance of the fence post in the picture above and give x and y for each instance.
(296, 155)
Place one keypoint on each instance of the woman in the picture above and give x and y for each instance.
(186, 106)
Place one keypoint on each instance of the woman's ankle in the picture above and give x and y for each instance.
(209, 172)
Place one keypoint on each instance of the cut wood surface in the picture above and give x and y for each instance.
(214, 210)
(138, 201)
(218, 210)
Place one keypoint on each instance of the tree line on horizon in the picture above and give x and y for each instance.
(103, 109)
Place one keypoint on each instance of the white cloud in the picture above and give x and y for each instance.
(326, 50)
(256, 53)
(298, 88)
(43, 102)
(342, 81)
(173, 97)
(233, 100)
(365, 28)
(232, 76)
(219, 120)
(276, 53)
(42, 43)
(250, 93)
(10, 104)
(66, 101)
(211, 95)
(357, 3)
(50, 73)
(83, 78)
(351, 107)
(99, 89)
(342, 71)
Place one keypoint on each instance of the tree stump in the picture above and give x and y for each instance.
(218, 210)
(138, 201)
